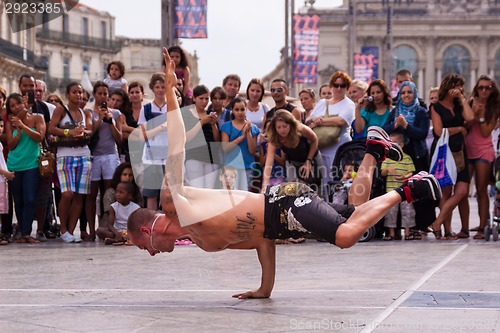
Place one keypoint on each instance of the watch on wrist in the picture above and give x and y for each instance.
(482, 120)
(66, 132)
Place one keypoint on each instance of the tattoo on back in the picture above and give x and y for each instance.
(245, 226)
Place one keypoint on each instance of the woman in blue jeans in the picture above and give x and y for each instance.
(24, 132)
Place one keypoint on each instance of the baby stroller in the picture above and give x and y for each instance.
(351, 152)
(491, 228)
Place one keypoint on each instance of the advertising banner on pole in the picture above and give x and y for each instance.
(366, 64)
(305, 48)
(190, 19)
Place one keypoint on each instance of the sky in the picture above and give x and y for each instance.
(244, 36)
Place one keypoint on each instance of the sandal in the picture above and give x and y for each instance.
(463, 234)
(450, 236)
(28, 240)
(388, 238)
(479, 234)
(410, 237)
(476, 228)
(437, 234)
(417, 235)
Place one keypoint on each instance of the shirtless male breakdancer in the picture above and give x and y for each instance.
(229, 219)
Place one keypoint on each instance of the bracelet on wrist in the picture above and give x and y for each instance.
(66, 132)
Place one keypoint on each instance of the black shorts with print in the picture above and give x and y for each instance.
(293, 209)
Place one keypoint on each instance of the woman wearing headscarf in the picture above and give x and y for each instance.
(412, 120)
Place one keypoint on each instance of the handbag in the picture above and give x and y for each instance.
(46, 160)
(69, 141)
(327, 135)
(443, 165)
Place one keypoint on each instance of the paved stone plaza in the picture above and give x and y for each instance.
(398, 286)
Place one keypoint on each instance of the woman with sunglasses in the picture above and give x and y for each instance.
(452, 111)
(340, 111)
(374, 109)
(55, 100)
(485, 104)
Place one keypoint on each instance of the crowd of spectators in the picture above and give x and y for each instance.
(234, 142)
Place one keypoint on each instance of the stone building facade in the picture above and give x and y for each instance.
(429, 37)
(60, 50)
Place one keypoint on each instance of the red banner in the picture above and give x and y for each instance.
(305, 50)
(366, 64)
(190, 19)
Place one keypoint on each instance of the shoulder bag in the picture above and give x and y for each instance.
(46, 160)
(69, 141)
(327, 135)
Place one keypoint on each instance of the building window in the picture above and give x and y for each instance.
(86, 66)
(104, 72)
(85, 28)
(497, 66)
(45, 21)
(405, 57)
(65, 23)
(136, 61)
(103, 29)
(456, 59)
(66, 68)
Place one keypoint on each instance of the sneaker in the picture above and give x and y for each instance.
(421, 186)
(67, 237)
(376, 135)
(78, 239)
(41, 236)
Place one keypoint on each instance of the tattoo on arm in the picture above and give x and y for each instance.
(173, 169)
(245, 226)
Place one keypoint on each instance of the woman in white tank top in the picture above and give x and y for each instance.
(73, 163)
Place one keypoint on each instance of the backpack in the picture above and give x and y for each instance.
(148, 113)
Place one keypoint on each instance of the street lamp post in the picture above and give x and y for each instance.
(389, 57)
(167, 22)
(286, 58)
(352, 35)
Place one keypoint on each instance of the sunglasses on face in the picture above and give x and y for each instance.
(336, 85)
(484, 88)
(53, 101)
(273, 90)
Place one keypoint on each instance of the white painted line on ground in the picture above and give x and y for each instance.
(189, 290)
(394, 305)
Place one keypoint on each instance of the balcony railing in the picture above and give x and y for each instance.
(79, 40)
(22, 55)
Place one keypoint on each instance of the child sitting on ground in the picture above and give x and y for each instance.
(116, 231)
(397, 173)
